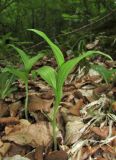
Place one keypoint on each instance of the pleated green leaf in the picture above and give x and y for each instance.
(48, 74)
(27, 61)
(22, 75)
(33, 60)
(23, 55)
(57, 52)
(67, 67)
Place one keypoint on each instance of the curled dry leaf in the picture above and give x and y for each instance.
(75, 110)
(38, 104)
(73, 131)
(73, 126)
(30, 134)
(103, 132)
(108, 148)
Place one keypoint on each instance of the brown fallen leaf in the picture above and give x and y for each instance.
(30, 134)
(42, 85)
(103, 132)
(57, 155)
(75, 110)
(78, 94)
(47, 95)
(114, 106)
(16, 149)
(38, 104)
(14, 108)
(87, 94)
(114, 89)
(69, 88)
(73, 131)
(101, 89)
(73, 126)
(107, 148)
(12, 128)
(9, 120)
(39, 153)
(4, 110)
(4, 148)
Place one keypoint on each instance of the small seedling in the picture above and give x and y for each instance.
(57, 78)
(23, 74)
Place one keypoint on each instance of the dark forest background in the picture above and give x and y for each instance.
(72, 24)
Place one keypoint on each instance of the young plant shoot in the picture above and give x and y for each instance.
(23, 74)
(57, 78)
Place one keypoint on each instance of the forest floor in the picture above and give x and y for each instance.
(86, 119)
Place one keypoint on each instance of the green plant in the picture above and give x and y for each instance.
(23, 74)
(57, 78)
(5, 40)
(107, 74)
(6, 87)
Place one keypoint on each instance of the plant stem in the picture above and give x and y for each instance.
(54, 132)
(26, 100)
(54, 123)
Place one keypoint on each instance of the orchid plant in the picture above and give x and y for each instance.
(23, 74)
(56, 78)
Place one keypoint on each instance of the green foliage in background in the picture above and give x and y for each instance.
(6, 84)
(108, 75)
(49, 16)
(56, 17)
